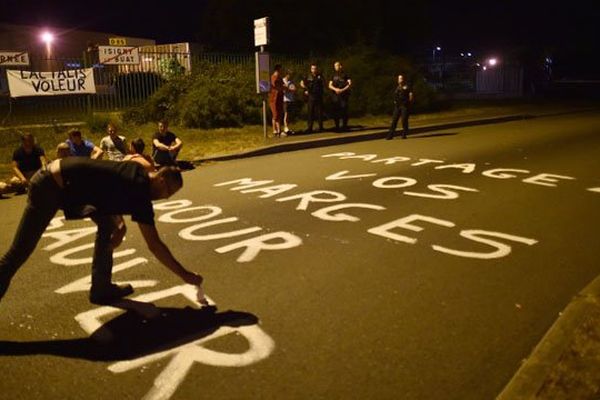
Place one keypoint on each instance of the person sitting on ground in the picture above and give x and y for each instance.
(165, 145)
(136, 153)
(26, 160)
(113, 145)
(63, 151)
(78, 186)
(82, 147)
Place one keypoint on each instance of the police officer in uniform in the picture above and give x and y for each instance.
(403, 97)
(340, 86)
(313, 86)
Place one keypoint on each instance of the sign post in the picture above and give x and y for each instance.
(263, 83)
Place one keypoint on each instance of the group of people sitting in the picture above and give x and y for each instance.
(30, 157)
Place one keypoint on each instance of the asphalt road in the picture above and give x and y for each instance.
(419, 292)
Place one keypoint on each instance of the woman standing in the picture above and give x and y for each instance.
(276, 100)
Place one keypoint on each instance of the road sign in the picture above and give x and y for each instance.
(13, 58)
(261, 32)
(263, 66)
(117, 41)
(118, 55)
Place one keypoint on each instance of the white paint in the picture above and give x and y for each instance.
(84, 284)
(382, 183)
(477, 235)
(55, 223)
(314, 197)
(270, 191)
(342, 154)
(213, 211)
(502, 173)
(466, 168)
(391, 160)
(405, 223)
(244, 183)
(364, 157)
(325, 213)
(68, 236)
(172, 205)
(446, 192)
(546, 179)
(341, 175)
(189, 232)
(423, 161)
(61, 258)
(253, 246)
(260, 345)
(595, 190)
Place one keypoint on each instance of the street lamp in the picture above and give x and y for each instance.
(48, 39)
(436, 48)
(492, 62)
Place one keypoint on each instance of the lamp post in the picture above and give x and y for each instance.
(436, 48)
(48, 39)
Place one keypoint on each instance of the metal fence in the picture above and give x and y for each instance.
(118, 87)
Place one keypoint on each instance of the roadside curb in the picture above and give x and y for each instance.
(356, 137)
(532, 374)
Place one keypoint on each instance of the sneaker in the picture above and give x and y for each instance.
(110, 294)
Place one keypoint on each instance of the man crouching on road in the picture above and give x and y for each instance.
(102, 191)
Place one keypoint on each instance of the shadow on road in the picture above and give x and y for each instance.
(133, 335)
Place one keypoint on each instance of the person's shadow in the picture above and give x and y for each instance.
(132, 334)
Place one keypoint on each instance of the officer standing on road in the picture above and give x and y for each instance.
(403, 98)
(340, 86)
(313, 86)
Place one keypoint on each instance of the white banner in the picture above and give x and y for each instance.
(32, 83)
(12, 58)
(118, 55)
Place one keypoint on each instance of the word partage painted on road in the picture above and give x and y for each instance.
(41, 83)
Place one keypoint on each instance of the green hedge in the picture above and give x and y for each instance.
(224, 95)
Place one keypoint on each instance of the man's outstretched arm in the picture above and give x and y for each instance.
(164, 255)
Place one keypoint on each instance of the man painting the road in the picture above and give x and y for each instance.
(403, 98)
(78, 186)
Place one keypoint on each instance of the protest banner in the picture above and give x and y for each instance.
(32, 83)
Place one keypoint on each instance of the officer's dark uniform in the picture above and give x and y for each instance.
(314, 86)
(401, 110)
(340, 101)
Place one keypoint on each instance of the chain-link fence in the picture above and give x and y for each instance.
(118, 87)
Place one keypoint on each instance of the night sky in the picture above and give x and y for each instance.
(567, 29)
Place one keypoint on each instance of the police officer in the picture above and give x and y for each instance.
(403, 97)
(313, 86)
(340, 86)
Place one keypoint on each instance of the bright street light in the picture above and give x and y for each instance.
(47, 37)
(492, 62)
